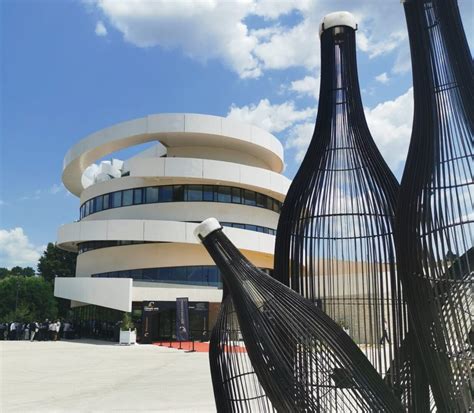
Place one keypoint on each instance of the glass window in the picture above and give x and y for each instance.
(269, 203)
(236, 195)
(151, 195)
(241, 226)
(116, 199)
(136, 274)
(196, 275)
(261, 200)
(194, 193)
(166, 194)
(178, 193)
(137, 196)
(127, 197)
(105, 203)
(223, 194)
(213, 276)
(150, 274)
(99, 203)
(249, 197)
(86, 208)
(178, 274)
(276, 206)
(208, 193)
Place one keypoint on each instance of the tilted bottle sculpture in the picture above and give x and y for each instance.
(334, 242)
(289, 341)
(435, 217)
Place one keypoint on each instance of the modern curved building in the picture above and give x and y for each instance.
(134, 235)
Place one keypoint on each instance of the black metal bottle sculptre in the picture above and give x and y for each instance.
(334, 241)
(435, 217)
(291, 344)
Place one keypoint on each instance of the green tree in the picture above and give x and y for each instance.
(26, 299)
(20, 271)
(17, 272)
(4, 272)
(56, 262)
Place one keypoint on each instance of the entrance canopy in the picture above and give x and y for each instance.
(113, 293)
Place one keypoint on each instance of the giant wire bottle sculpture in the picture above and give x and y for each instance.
(303, 360)
(236, 386)
(435, 217)
(334, 241)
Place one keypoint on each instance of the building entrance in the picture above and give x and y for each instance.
(159, 318)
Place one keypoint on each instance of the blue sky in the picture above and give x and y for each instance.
(69, 68)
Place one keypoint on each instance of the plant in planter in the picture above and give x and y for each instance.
(127, 330)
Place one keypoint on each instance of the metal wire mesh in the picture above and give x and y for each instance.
(435, 217)
(302, 359)
(335, 242)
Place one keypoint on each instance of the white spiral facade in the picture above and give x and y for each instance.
(198, 169)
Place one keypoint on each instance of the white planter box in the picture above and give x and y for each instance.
(128, 337)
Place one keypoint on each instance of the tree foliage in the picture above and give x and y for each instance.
(17, 271)
(26, 299)
(56, 262)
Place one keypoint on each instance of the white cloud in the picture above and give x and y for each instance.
(290, 47)
(382, 78)
(390, 123)
(402, 61)
(202, 30)
(55, 188)
(273, 118)
(100, 29)
(309, 86)
(299, 137)
(216, 29)
(376, 48)
(16, 249)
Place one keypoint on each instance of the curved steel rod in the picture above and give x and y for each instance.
(301, 357)
(435, 216)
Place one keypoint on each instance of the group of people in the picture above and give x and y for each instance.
(36, 331)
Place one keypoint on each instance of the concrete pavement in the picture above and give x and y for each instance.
(94, 376)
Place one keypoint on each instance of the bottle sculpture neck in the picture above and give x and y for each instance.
(340, 104)
(443, 81)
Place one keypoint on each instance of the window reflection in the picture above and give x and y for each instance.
(127, 197)
(204, 275)
(178, 193)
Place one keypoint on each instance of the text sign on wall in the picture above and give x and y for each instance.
(182, 319)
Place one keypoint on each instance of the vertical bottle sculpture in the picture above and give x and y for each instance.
(290, 343)
(435, 217)
(335, 235)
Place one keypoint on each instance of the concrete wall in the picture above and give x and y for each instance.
(152, 256)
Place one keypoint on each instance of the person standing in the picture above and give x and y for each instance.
(12, 330)
(45, 330)
(385, 333)
(26, 331)
(57, 326)
(34, 328)
(52, 330)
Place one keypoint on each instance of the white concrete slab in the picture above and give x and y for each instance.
(94, 376)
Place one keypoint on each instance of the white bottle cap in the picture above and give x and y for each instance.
(206, 227)
(338, 18)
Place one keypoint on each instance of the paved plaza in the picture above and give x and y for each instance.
(95, 376)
